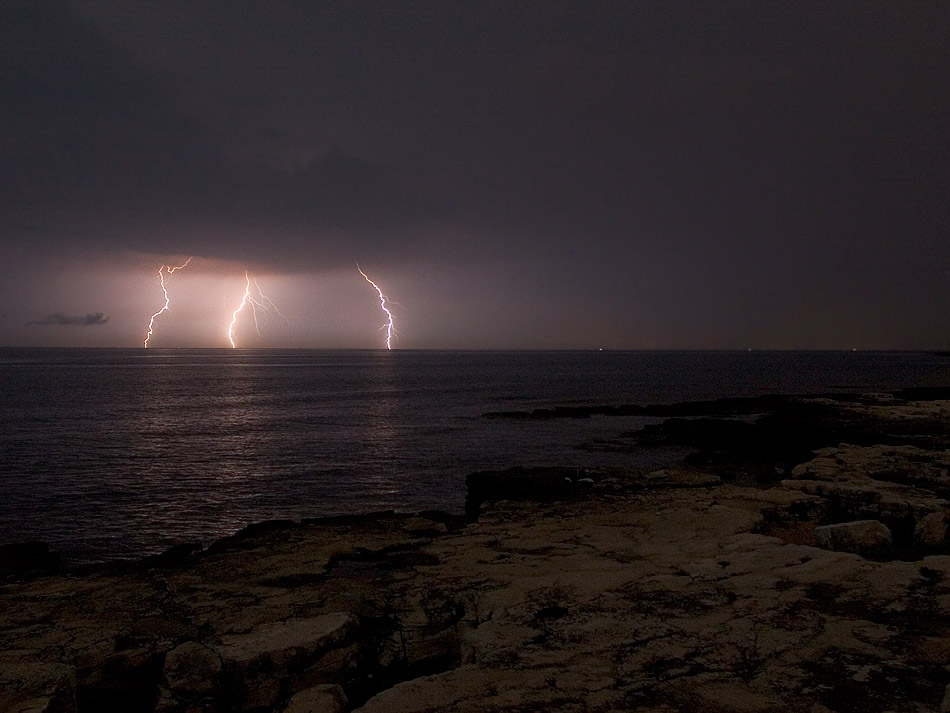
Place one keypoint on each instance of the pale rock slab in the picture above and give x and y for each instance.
(860, 537)
(319, 699)
(259, 662)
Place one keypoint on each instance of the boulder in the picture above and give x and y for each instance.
(319, 699)
(193, 671)
(863, 537)
(931, 530)
(259, 662)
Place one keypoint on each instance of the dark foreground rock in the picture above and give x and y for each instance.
(759, 440)
(667, 591)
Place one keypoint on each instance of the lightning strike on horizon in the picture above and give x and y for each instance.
(247, 295)
(161, 279)
(262, 302)
(390, 327)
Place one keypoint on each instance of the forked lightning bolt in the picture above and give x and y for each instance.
(261, 302)
(389, 326)
(161, 278)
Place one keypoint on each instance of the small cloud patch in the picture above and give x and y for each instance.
(74, 320)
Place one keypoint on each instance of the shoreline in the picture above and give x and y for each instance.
(737, 580)
(20, 558)
(97, 475)
(17, 557)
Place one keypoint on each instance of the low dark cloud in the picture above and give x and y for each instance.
(71, 320)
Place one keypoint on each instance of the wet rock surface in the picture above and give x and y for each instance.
(825, 587)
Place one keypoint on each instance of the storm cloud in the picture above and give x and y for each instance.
(690, 174)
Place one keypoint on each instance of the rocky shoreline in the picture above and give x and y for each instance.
(796, 560)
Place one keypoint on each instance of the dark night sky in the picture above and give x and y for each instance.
(513, 174)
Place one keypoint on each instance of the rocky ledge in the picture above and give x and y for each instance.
(825, 587)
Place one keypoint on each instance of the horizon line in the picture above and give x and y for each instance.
(916, 350)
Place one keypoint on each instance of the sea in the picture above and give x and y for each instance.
(118, 453)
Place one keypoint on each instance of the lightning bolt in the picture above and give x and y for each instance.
(268, 304)
(244, 301)
(262, 302)
(389, 326)
(161, 279)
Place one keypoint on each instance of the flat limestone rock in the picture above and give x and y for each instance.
(905, 465)
(34, 687)
(328, 698)
(283, 641)
(720, 696)
(647, 599)
(859, 537)
(679, 478)
(904, 487)
(261, 663)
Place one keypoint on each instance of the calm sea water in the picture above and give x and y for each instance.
(109, 453)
